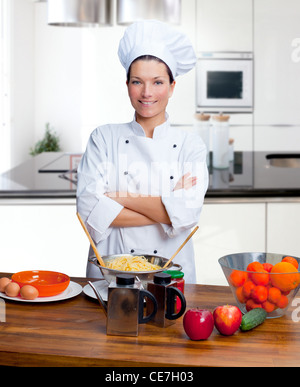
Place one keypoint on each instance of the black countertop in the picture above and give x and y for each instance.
(251, 174)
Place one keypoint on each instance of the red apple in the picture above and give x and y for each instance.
(198, 324)
(228, 319)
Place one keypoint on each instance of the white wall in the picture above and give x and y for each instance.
(58, 80)
(104, 93)
(72, 78)
(22, 80)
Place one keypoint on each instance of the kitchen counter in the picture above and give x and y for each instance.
(73, 333)
(47, 175)
(251, 174)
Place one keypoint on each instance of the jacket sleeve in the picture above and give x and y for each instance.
(97, 210)
(184, 205)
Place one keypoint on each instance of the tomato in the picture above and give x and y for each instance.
(262, 278)
(247, 288)
(238, 278)
(259, 294)
(267, 266)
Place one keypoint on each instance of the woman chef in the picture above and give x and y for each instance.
(141, 184)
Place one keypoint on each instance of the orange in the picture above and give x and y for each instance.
(268, 306)
(283, 302)
(291, 260)
(286, 278)
(238, 278)
(259, 294)
(251, 304)
(274, 295)
(262, 278)
(247, 288)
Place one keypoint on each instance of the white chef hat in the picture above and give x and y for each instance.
(152, 37)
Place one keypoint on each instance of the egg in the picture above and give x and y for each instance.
(29, 292)
(12, 289)
(3, 282)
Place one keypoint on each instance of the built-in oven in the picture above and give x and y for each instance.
(224, 82)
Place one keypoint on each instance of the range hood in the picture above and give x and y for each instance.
(128, 11)
(79, 13)
(95, 13)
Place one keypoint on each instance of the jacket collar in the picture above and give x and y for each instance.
(159, 132)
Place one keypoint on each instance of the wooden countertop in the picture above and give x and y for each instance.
(73, 333)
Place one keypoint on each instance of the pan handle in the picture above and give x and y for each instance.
(93, 260)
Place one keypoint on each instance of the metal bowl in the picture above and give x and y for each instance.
(144, 276)
(235, 266)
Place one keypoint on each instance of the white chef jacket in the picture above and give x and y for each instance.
(119, 157)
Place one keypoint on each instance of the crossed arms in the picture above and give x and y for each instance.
(143, 210)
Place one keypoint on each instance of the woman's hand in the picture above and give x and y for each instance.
(149, 206)
(186, 182)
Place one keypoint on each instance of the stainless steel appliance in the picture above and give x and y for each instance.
(224, 82)
(168, 11)
(80, 13)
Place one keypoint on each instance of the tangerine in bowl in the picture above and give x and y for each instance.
(48, 283)
(262, 280)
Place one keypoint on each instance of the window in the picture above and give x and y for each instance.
(5, 36)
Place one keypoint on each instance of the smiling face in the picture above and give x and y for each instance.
(149, 90)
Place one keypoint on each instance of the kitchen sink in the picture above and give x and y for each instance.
(289, 160)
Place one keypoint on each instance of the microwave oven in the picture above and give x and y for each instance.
(224, 82)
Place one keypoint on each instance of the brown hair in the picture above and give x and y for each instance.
(148, 58)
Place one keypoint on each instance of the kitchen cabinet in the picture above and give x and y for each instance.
(42, 235)
(226, 228)
(283, 229)
(46, 234)
(284, 138)
(235, 226)
(240, 129)
(224, 25)
(277, 81)
(181, 107)
(242, 136)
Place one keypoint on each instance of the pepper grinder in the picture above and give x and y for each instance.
(165, 292)
(125, 306)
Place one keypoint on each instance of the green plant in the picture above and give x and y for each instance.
(50, 143)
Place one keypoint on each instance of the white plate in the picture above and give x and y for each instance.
(72, 290)
(101, 286)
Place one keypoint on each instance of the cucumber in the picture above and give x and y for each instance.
(252, 319)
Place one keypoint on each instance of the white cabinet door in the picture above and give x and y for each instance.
(283, 235)
(227, 229)
(181, 107)
(282, 138)
(42, 237)
(224, 25)
(277, 70)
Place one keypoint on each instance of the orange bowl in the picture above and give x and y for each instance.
(48, 283)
